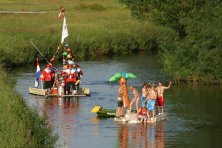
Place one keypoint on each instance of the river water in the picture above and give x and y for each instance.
(193, 111)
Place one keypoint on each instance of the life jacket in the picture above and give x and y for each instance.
(45, 75)
(70, 75)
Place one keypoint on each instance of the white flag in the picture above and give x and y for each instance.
(64, 30)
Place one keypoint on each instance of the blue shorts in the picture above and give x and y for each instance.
(151, 104)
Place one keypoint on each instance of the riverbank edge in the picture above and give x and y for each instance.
(20, 125)
(176, 78)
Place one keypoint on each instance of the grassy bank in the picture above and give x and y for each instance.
(96, 28)
(20, 126)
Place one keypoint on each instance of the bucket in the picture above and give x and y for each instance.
(61, 90)
(54, 91)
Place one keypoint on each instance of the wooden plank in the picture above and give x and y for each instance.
(37, 91)
(41, 92)
(55, 95)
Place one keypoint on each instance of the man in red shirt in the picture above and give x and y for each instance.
(46, 78)
(70, 79)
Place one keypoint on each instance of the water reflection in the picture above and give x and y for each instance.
(62, 112)
(140, 135)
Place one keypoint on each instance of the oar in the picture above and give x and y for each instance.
(39, 51)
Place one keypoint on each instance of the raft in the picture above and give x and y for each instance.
(110, 113)
(133, 119)
(82, 92)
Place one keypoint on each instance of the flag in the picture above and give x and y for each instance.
(64, 30)
(38, 73)
(62, 12)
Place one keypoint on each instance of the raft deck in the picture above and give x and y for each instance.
(82, 92)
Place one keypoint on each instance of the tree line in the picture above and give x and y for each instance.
(194, 52)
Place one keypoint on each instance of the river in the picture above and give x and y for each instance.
(193, 111)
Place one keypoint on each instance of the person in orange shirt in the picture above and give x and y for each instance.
(70, 79)
(46, 78)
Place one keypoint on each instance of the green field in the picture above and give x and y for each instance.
(96, 28)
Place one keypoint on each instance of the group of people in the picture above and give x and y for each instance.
(68, 78)
(152, 97)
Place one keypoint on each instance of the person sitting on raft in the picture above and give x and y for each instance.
(135, 98)
(120, 109)
(151, 102)
(142, 113)
(46, 78)
(70, 80)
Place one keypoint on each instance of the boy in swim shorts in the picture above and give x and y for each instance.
(160, 99)
(151, 102)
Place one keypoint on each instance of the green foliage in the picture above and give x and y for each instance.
(196, 55)
(20, 126)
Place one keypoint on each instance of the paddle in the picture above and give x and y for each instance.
(39, 51)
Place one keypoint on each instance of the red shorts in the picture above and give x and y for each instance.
(160, 101)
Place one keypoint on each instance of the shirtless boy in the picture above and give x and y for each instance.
(151, 101)
(144, 93)
(160, 99)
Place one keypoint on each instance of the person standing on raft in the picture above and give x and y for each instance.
(144, 93)
(70, 80)
(46, 78)
(120, 109)
(135, 98)
(160, 99)
(151, 102)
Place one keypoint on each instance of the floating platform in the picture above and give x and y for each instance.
(111, 113)
(82, 92)
(133, 119)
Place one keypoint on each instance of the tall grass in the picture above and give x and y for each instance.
(19, 125)
(96, 28)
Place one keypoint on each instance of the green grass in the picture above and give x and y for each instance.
(20, 126)
(96, 28)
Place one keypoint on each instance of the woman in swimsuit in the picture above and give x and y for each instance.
(135, 98)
